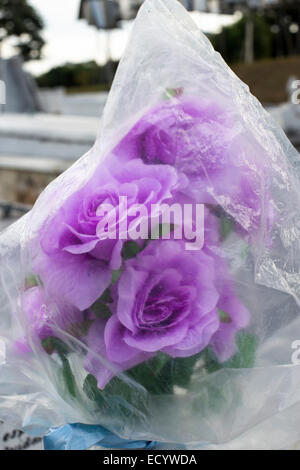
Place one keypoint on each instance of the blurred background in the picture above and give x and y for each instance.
(58, 59)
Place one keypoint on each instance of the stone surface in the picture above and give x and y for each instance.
(47, 136)
(36, 148)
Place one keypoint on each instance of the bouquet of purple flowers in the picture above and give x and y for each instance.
(152, 293)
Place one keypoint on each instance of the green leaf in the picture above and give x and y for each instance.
(159, 374)
(160, 361)
(244, 357)
(130, 250)
(224, 317)
(227, 225)
(161, 230)
(80, 329)
(150, 377)
(101, 310)
(171, 92)
(115, 275)
(119, 398)
(106, 296)
(31, 281)
(180, 369)
(51, 344)
(244, 251)
(100, 307)
(91, 389)
(48, 345)
(208, 395)
(68, 376)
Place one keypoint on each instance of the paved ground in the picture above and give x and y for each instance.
(84, 104)
(57, 101)
(6, 222)
(47, 136)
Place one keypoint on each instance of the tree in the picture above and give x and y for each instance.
(21, 22)
(231, 41)
(282, 18)
(85, 75)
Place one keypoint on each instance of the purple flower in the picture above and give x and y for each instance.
(76, 256)
(166, 301)
(233, 314)
(236, 318)
(171, 300)
(97, 362)
(209, 144)
(44, 316)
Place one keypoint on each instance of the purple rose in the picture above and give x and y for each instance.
(166, 301)
(44, 316)
(97, 362)
(209, 144)
(76, 257)
(171, 300)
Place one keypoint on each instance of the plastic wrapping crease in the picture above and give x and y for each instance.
(260, 404)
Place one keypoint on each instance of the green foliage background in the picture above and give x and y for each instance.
(20, 20)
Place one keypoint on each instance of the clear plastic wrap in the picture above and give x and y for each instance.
(184, 340)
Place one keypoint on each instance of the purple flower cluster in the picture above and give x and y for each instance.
(76, 261)
(207, 143)
(166, 298)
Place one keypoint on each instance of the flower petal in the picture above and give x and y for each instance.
(157, 339)
(197, 337)
(78, 280)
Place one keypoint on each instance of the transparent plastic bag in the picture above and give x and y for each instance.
(184, 336)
